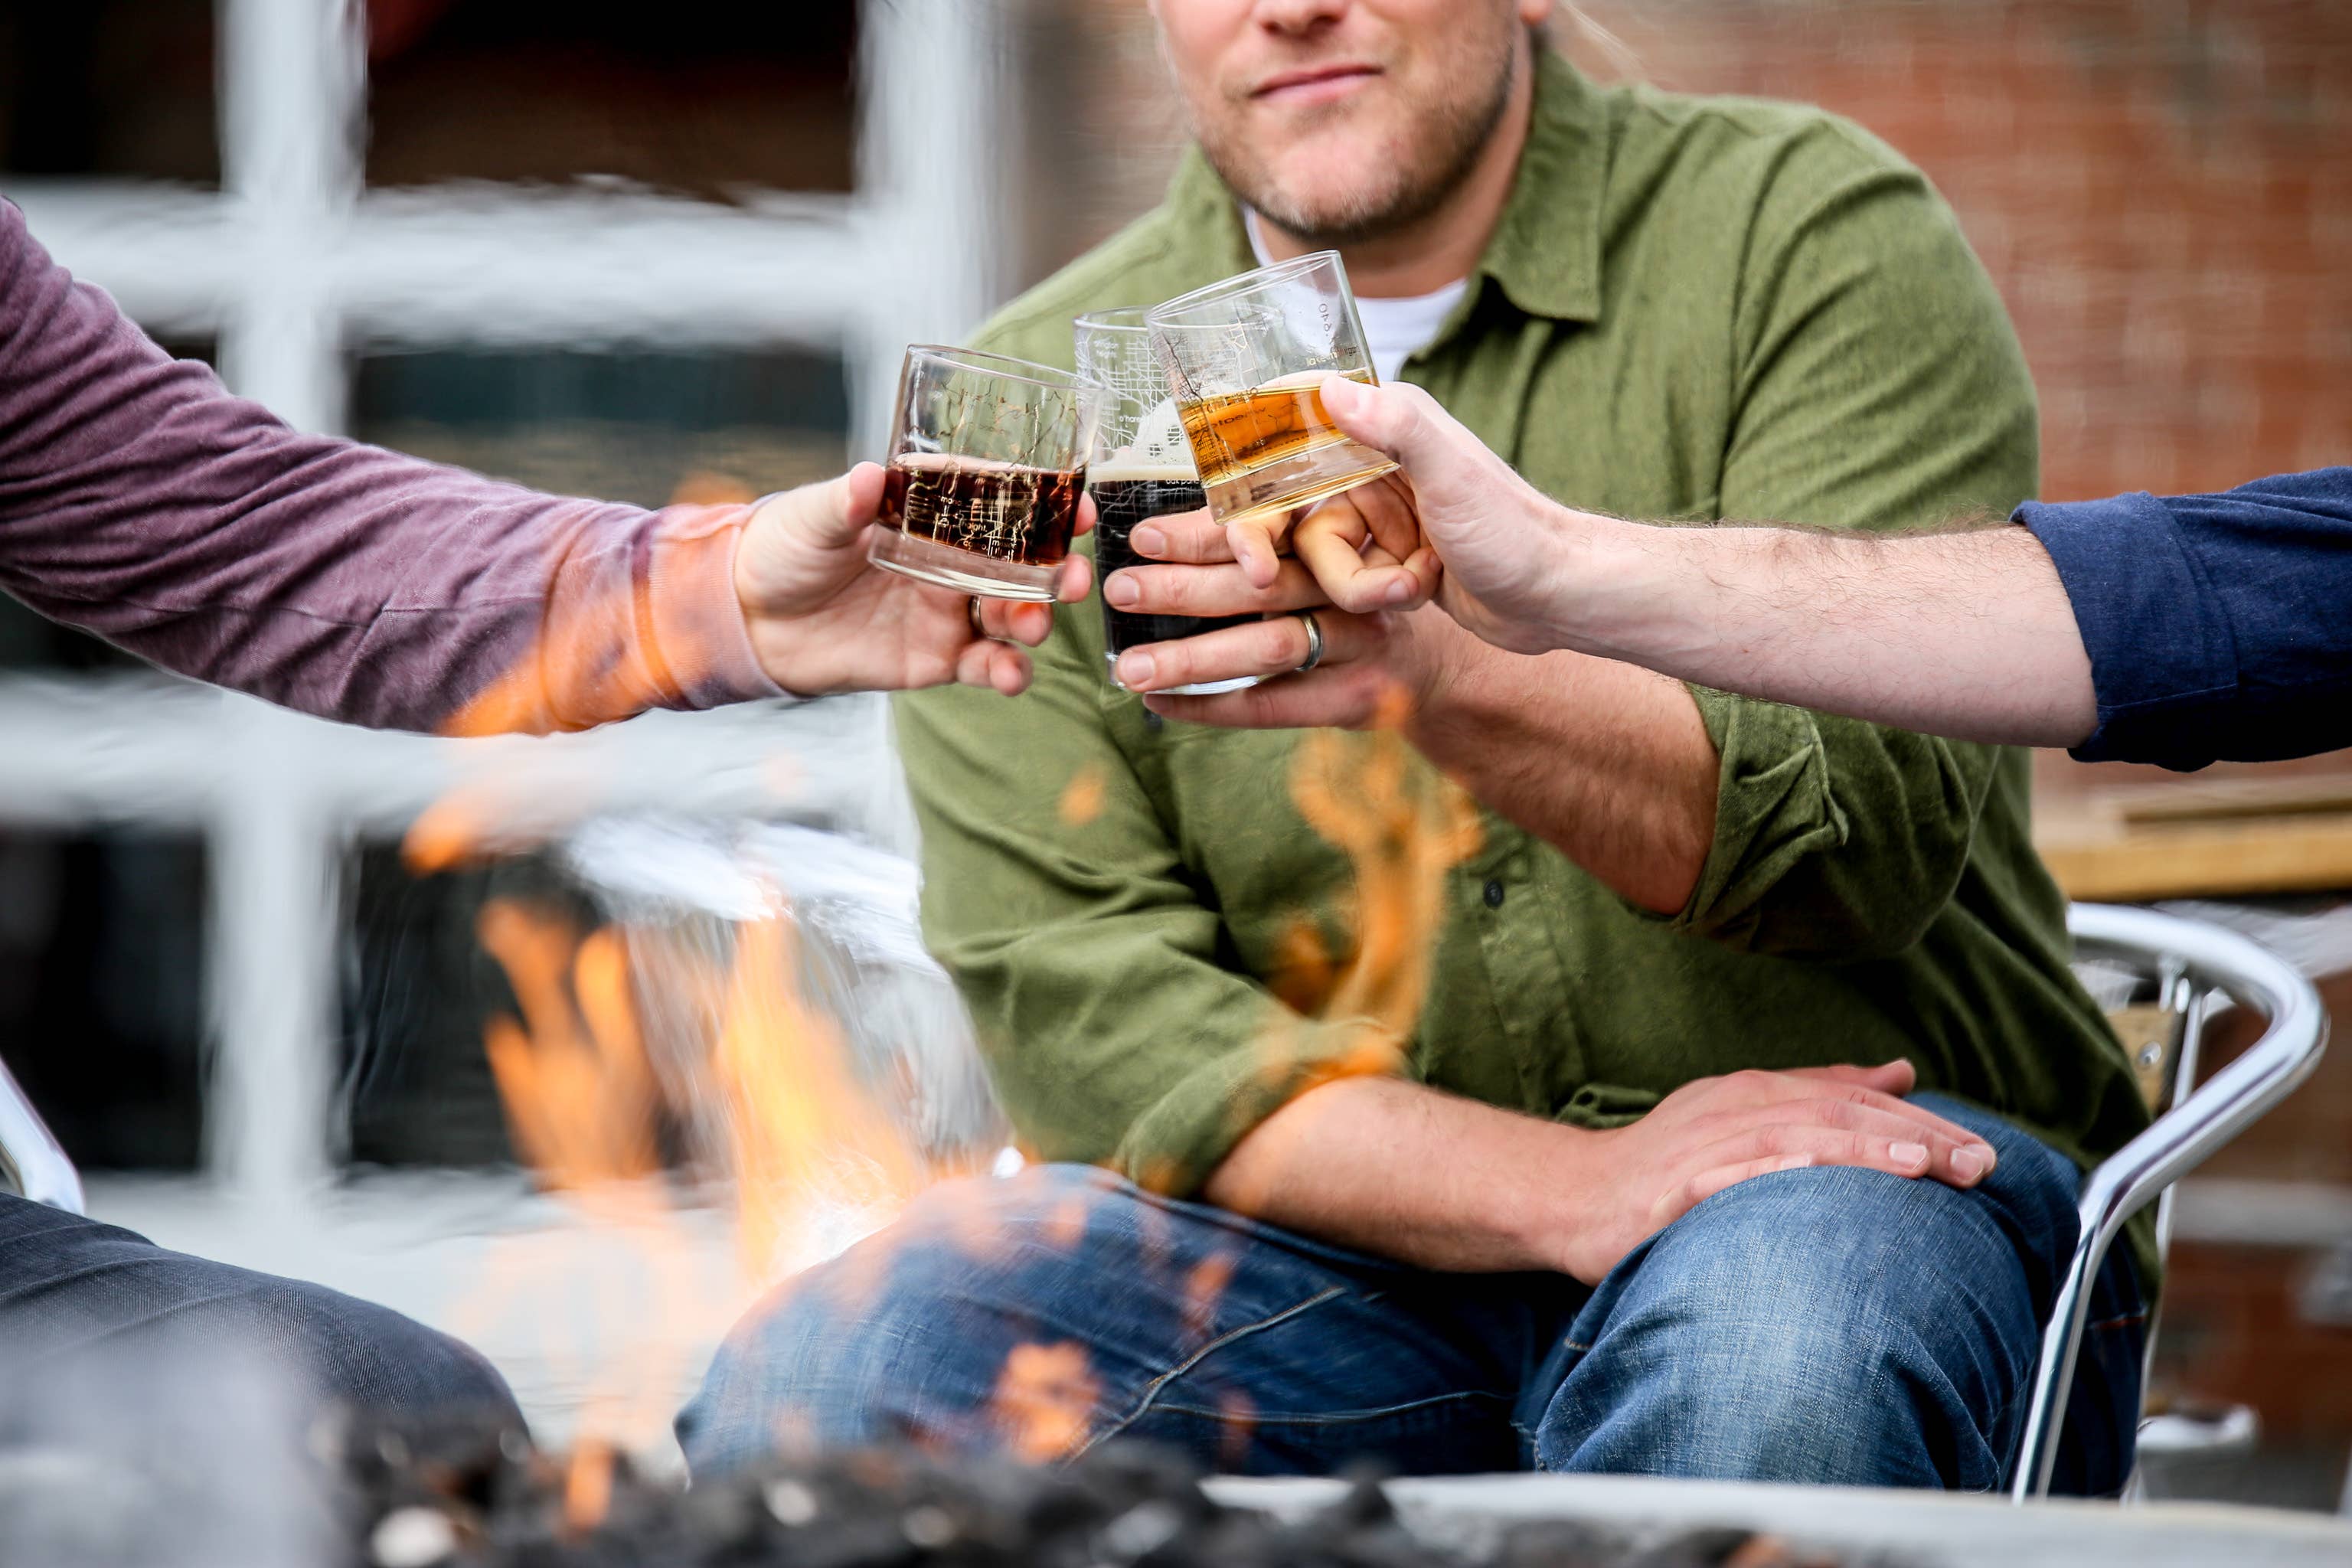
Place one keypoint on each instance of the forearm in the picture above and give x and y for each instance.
(138, 498)
(1967, 633)
(1608, 764)
(1400, 1170)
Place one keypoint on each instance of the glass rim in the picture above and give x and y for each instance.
(1114, 320)
(1241, 283)
(1005, 366)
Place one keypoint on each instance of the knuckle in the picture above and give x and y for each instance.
(1160, 586)
(1282, 641)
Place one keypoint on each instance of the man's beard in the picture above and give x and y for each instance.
(1456, 139)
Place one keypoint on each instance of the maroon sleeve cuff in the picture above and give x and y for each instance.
(696, 629)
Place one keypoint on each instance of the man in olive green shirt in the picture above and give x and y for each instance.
(1520, 1079)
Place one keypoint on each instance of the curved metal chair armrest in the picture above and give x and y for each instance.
(30, 1158)
(2128, 1180)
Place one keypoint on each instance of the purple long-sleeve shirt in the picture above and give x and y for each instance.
(141, 500)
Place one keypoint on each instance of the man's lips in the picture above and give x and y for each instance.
(1322, 84)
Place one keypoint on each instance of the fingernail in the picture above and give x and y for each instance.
(1148, 541)
(1134, 670)
(1121, 590)
(1970, 1163)
(1907, 1154)
(1398, 593)
(1341, 395)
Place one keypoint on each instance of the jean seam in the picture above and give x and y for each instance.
(1152, 1390)
(1345, 1418)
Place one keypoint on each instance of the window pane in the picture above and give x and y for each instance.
(699, 96)
(101, 973)
(107, 87)
(640, 425)
(418, 992)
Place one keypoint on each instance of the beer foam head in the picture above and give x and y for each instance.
(1158, 451)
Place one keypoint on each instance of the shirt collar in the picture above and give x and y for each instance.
(1545, 253)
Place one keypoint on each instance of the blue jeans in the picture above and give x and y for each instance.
(1825, 1325)
(88, 1309)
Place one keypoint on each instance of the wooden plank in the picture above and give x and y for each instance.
(2228, 799)
(2200, 837)
(2205, 860)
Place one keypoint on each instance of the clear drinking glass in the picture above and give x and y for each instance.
(1244, 358)
(1141, 467)
(987, 464)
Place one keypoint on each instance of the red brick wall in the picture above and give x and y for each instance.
(2162, 189)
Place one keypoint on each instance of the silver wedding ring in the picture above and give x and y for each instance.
(1314, 642)
(972, 615)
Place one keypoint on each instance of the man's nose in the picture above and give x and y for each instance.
(1301, 17)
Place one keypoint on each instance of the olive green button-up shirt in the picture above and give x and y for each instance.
(1692, 309)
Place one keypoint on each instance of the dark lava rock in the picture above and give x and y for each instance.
(475, 1495)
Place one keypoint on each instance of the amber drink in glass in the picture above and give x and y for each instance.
(1244, 358)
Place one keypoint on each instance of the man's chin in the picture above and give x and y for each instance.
(1321, 190)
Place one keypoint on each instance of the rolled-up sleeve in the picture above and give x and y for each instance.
(2218, 626)
(1115, 1033)
(1880, 385)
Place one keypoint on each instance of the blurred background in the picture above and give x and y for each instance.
(653, 252)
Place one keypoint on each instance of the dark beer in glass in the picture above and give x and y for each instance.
(1141, 468)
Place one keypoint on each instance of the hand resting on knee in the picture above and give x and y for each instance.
(1501, 1190)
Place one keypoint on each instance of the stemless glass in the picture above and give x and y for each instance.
(1244, 358)
(1139, 468)
(987, 464)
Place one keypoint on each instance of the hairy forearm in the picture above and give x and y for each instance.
(1404, 1171)
(1610, 764)
(1967, 633)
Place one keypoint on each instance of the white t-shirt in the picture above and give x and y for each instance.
(1396, 329)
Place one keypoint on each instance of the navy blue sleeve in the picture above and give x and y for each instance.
(2219, 626)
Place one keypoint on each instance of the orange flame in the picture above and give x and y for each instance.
(799, 1127)
(587, 1485)
(1402, 837)
(577, 1088)
(1043, 1403)
(803, 1139)
(1403, 828)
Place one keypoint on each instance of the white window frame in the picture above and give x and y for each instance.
(293, 264)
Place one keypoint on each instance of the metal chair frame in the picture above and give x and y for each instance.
(2192, 960)
(31, 1161)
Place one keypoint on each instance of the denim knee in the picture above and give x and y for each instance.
(1825, 1325)
(903, 1337)
(369, 1358)
(92, 1307)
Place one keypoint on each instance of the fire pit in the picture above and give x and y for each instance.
(471, 1498)
(466, 1495)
